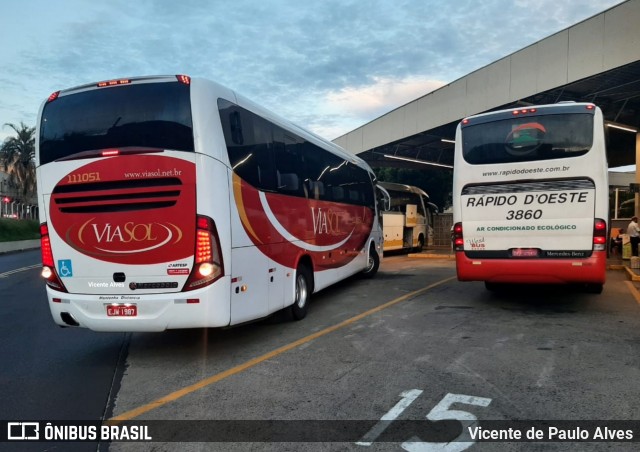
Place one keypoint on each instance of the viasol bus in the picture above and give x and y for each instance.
(530, 192)
(171, 202)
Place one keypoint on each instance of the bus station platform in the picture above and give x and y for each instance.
(616, 262)
(435, 252)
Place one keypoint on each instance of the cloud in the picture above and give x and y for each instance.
(327, 65)
(379, 97)
(333, 112)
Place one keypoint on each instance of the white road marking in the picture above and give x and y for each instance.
(18, 270)
(407, 399)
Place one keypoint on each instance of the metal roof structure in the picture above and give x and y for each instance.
(597, 60)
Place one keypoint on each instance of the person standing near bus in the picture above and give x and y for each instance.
(633, 230)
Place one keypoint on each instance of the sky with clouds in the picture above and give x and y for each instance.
(328, 65)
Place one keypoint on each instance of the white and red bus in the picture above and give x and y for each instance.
(171, 202)
(530, 191)
(408, 221)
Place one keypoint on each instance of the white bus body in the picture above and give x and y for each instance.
(408, 223)
(171, 202)
(530, 196)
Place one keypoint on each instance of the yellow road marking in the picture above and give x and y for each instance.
(634, 291)
(255, 361)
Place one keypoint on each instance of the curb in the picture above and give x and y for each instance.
(632, 274)
(431, 256)
(21, 245)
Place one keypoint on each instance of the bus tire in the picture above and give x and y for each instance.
(300, 304)
(594, 288)
(373, 263)
(420, 246)
(491, 286)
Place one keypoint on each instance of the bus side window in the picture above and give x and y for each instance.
(249, 145)
(288, 182)
(316, 190)
(338, 194)
(317, 170)
(290, 164)
(423, 209)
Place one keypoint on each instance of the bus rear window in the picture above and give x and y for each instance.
(149, 115)
(531, 138)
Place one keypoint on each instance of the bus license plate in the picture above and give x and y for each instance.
(128, 310)
(524, 252)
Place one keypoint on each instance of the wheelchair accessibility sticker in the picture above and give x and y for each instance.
(65, 269)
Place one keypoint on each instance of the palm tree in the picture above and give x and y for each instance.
(17, 155)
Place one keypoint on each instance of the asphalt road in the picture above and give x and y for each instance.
(410, 343)
(48, 372)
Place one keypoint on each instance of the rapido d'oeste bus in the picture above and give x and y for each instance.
(531, 194)
(171, 202)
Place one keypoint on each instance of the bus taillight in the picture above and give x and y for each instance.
(208, 265)
(458, 239)
(53, 96)
(524, 111)
(48, 266)
(184, 79)
(599, 235)
(122, 81)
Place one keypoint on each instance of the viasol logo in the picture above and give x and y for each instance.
(143, 241)
(325, 221)
(126, 238)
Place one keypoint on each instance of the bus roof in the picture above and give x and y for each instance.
(239, 99)
(559, 108)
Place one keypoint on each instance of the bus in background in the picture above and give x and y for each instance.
(407, 223)
(171, 202)
(530, 191)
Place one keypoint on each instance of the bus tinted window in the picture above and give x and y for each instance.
(399, 201)
(271, 158)
(150, 115)
(290, 162)
(531, 138)
(249, 145)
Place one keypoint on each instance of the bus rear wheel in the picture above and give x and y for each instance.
(300, 304)
(594, 288)
(492, 286)
(373, 263)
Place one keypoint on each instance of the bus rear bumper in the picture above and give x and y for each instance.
(540, 271)
(154, 312)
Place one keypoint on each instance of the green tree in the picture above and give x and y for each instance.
(17, 155)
